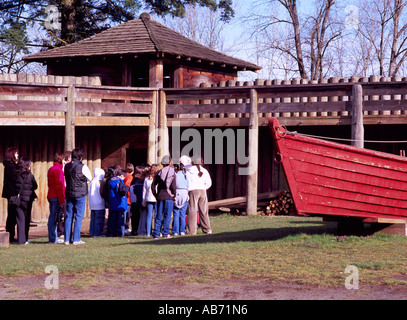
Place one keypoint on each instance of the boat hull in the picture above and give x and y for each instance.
(328, 178)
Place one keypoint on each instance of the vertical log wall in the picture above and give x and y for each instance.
(39, 144)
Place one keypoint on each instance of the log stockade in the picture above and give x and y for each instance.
(32, 105)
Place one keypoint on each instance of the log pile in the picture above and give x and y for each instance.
(281, 205)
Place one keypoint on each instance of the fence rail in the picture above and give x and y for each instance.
(327, 103)
(318, 103)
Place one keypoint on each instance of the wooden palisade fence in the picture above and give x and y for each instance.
(72, 103)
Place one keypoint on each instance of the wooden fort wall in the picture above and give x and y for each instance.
(38, 113)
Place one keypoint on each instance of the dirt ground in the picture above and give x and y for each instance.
(167, 286)
(130, 287)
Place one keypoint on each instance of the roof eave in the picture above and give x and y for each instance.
(236, 66)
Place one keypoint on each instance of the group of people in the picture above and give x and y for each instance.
(130, 198)
(136, 195)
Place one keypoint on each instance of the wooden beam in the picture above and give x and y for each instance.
(178, 78)
(126, 74)
(208, 122)
(152, 131)
(32, 121)
(240, 200)
(252, 178)
(357, 116)
(70, 120)
(156, 74)
(37, 89)
(113, 107)
(163, 138)
(114, 94)
(106, 121)
(32, 105)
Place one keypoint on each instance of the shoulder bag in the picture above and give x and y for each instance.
(16, 200)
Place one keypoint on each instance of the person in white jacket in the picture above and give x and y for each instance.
(96, 204)
(199, 181)
(149, 203)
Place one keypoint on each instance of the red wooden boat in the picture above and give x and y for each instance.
(328, 178)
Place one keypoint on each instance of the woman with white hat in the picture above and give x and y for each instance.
(199, 181)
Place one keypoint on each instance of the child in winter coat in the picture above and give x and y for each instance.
(26, 186)
(164, 188)
(181, 202)
(96, 204)
(117, 205)
(149, 201)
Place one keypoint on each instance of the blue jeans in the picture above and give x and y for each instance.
(151, 206)
(75, 211)
(179, 222)
(97, 222)
(163, 218)
(54, 209)
(116, 223)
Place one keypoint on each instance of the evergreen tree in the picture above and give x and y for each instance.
(51, 23)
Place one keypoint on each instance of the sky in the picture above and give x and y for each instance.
(236, 30)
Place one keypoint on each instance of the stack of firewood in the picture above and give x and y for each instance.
(282, 205)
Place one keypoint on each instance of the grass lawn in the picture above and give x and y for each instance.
(292, 249)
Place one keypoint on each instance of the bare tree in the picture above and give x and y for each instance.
(201, 25)
(306, 38)
(291, 7)
(320, 37)
(383, 23)
(374, 24)
(399, 44)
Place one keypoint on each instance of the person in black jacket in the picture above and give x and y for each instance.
(77, 176)
(9, 188)
(25, 186)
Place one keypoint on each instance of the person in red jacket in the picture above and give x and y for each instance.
(55, 196)
(127, 182)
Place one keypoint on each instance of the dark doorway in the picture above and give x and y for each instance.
(138, 157)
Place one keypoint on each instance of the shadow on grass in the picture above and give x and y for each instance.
(254, 235)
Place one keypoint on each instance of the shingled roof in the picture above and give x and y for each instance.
(140, 36)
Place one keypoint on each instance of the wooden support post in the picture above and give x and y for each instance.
(70, 120)
(163, 139)
(152, 131)
(251, 206)
(156, 74)
(357, 116)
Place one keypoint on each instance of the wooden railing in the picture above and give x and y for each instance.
(311, 104)
(69, 105)
(52, 100)
(294, 104)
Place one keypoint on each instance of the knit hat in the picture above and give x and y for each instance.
(166, 160)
